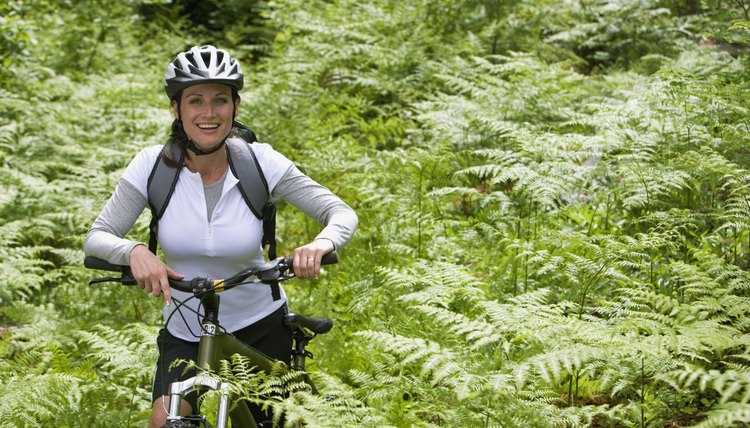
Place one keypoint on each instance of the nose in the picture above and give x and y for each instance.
(210, 110)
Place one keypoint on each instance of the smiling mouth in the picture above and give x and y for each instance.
(208, 126)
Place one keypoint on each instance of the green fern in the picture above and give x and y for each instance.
(31, 399)
(125, 353)
(727, 415)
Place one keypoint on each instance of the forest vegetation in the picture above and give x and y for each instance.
(554, 204)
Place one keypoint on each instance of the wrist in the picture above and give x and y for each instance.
(137, 248)
(330, 241)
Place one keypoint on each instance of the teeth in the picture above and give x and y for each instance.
(207, 126)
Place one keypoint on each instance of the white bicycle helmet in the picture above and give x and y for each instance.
(202, 64)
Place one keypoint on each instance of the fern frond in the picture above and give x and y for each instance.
(38, 397)
(552, 365)
(22, 269)
(726, 415)
(127, 354)
(441, 283)
(543, 187)
(731, 385)
(476, 332)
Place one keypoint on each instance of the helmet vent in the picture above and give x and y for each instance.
(204, 64)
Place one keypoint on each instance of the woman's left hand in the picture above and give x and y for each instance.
(307, 258)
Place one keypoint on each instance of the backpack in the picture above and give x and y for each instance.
(252, 185)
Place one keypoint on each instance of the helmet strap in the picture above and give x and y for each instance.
(200, 152)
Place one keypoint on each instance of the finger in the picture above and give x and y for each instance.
(310, 266)
(316, 265)
(303, 271)
(174, 275)
(166, 291)
(297, 264)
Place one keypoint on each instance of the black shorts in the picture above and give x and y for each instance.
(269, 335)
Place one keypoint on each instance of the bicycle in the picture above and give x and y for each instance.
(215, 345)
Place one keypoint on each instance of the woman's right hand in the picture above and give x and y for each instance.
(151, 273)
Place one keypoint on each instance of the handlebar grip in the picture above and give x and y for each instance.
(181, 285)
(330, 259)
(92, 262)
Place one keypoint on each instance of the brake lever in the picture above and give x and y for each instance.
(106, 279)
(279, 269)
(124, 280)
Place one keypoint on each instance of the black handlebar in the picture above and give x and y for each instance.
(279, 269)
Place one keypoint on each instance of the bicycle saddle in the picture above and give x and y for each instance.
(317, 325)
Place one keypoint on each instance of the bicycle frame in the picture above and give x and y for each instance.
(213, 347)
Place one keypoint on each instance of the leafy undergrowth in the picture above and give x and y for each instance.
(553, 204)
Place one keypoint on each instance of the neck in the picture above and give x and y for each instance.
(211, 167)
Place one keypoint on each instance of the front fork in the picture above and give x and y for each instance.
(177, 389)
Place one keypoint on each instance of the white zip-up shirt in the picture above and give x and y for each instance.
(229, 242)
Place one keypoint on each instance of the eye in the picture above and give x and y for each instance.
(221, 100)
(196, 101)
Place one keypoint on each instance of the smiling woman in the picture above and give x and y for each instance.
(207, 229)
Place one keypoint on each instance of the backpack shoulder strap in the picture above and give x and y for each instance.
(254, 189)
(160, 186)
(245, 167)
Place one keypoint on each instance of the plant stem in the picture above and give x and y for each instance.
(643, 390)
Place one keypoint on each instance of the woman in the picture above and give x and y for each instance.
(207, 229)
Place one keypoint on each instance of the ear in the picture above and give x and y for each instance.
(174, 110)
(236, 107)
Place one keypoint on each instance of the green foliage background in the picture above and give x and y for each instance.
(554, 204)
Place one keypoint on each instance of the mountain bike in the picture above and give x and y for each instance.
(215, 344)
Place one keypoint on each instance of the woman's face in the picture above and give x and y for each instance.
(207, 113)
